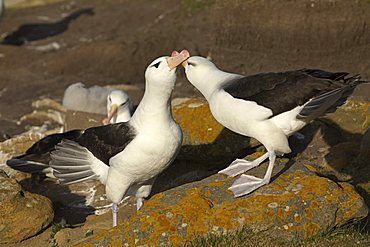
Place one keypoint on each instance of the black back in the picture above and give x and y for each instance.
(284, 91)
(106, 141)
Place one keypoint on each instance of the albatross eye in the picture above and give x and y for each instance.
(156, 65)
(191, 64)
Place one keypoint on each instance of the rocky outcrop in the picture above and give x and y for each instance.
(188, 200)
(297, 203)
(22, 214)
(206, 139)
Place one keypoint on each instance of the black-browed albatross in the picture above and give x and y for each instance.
(268, 107)
(119, 107)
(36, 159)
(127, 157)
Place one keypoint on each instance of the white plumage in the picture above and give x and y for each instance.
(268, 107)
(127, 157)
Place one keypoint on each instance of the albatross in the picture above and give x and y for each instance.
(127, 157)
(119, 107)
(36, 159)
(268, 107)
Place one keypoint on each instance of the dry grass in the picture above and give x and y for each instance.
(346, 236)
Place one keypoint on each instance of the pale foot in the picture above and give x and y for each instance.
(239, 166)
(246, 184)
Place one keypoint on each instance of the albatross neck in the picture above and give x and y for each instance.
(213, 81)
(154, 106)
(123, 115)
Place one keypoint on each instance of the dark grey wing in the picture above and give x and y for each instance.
(284, 91)
(48, 143)
(36, 158)
(88, 156)
(106, 141)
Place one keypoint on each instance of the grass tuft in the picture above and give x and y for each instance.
(345, 236)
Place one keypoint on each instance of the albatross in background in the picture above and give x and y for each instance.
(36, 159)
(268, 107)
(127, 157)
(119, 107)
(95, 99)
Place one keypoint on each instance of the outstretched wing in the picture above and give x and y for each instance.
(88, 156)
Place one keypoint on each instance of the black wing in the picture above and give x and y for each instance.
(106, 141)
(36, 158)
(285, 90)
(47, 144)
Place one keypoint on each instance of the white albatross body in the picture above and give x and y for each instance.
(268, 107)
(127, 157)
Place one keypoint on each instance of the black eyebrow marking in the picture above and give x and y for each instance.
(124, 103)
(191, 64)
(156, 65)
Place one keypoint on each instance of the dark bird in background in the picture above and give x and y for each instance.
(31, 32)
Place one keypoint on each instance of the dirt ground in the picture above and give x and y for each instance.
(122, 37)
(116, 43)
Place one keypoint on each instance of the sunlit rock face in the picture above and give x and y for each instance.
(22, 214)
(297, 203)
(189, 199)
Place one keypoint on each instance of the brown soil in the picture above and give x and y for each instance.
(117, 43)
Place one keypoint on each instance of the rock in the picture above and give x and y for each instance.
(204, 137)
(364, 155)
(82, 120)
(66, 236)
(22, 214)
(297, 203)
(338, 141)
(48, 104)
(19, 144)
(353, 118)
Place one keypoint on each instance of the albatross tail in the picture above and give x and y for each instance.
(329, 101)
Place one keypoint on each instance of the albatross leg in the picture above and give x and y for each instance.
(239, 166)
(139, 202)
(114, 213)
(246, 183)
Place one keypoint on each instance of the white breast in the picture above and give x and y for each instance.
(148, 154)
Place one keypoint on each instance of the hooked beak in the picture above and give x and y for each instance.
(111, 114)
(177, 58)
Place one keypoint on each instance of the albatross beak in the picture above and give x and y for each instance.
(112, 112)
(177, 58)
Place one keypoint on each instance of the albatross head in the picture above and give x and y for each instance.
(162, 71)
(203, 74)
(119, 107)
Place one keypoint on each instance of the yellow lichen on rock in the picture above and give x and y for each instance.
(196, 120)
